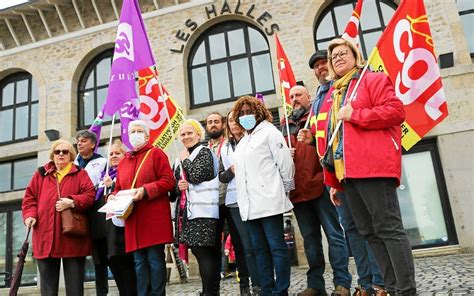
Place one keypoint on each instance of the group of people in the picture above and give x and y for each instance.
(247, 175)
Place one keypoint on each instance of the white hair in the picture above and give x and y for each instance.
(139, 123)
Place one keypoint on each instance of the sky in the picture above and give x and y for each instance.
(9, 3)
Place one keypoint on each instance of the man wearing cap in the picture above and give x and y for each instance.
(370, 278)
(313, 207)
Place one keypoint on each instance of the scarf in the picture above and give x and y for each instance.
(339, 98)
(182, 248)
(100, 190)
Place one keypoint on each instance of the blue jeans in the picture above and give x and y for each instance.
(150, 267)
(243, 230)
(271, 253)
(367, 268)
(311, 215)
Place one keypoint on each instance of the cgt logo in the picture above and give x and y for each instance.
(156, 117)
(124, 43)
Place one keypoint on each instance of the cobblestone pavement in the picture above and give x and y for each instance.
(442, 275)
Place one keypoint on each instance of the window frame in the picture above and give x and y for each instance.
(430, 145)
(81, 89)
(466, 34)
(330, 9)
(14, 78)
(224, 27)
(10, 254)
(12, 172)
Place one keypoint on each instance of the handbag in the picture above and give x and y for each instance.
(73, 223)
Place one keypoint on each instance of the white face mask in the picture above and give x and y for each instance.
(136, 139)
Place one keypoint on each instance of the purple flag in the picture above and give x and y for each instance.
(97, 126)
(128, 113)
(132, 53)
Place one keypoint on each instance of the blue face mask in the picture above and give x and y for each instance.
(248, 122)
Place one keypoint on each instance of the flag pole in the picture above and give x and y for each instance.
(286, 119)
(110, 144)
(351, 97)
(309, 117)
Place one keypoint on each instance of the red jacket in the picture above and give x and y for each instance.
(372, 136)
(39, 202)
(150, 222)
(308, 171)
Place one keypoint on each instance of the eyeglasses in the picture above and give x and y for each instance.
(59, 151)
(341, 55)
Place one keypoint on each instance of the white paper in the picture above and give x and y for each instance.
(119, 205)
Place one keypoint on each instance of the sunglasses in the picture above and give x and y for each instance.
(59, 151)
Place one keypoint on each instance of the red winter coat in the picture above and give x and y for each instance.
(372, 136)
(308, 171)
(39, 202)
(150, 222)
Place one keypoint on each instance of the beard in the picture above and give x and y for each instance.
(215, 134)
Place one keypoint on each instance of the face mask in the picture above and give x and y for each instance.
(248, 122)
(136, 139)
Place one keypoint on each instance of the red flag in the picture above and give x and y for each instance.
(405, 52)
(287, 78)
(153, 112)
(351, 32)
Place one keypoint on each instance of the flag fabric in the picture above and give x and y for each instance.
(405, 52)
(351, 32)
(287, 78)
(153, 111)
(96, 127)
(132, 53)
(128, 113)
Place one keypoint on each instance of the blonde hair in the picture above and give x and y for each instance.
(196, 125)
(72, 150)
(360, 62)
(118, 144)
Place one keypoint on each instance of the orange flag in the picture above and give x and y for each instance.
(405, 52)
(153, 111)
(287, 78)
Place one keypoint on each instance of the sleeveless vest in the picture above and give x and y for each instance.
(226, 157)
(203, 198)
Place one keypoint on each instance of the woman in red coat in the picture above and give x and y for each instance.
(42, 210)
(148, 228)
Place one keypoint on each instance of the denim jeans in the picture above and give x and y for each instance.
(271, 253)
(311, 215)
(243, 230)
(150, 267)
(376, 212)
(367, 268)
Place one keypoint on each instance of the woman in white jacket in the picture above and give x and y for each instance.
(264, 173)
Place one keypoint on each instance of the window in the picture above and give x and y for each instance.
(466, 13)
(229, 60)
(12, 236)
(423, 198)
(16, 174)
(375, 16)
(93, 87)
(18, 108)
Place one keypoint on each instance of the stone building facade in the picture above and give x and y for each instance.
(55, 45)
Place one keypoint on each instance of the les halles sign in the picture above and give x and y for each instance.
(263, 19)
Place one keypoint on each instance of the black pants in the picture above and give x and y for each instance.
(374, 206)
(240, 259)
(73, 275)
(123, 269)
(101, 261)
(209, 261)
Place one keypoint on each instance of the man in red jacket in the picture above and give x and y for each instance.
(313, 208)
